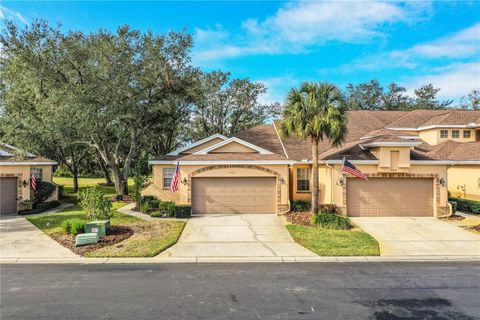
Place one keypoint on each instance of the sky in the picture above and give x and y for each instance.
(282, 43)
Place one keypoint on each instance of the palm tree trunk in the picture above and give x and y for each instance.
(315, 175)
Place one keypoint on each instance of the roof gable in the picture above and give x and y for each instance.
(199, 145)
(234, 145)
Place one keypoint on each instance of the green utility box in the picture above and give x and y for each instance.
(86, 238)
(101, 227)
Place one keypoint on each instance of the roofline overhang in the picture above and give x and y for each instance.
(213, 162)
(237, 140)
(444, 162)
(196, 143)
(438, 126)
(390, 144)
(26, 163)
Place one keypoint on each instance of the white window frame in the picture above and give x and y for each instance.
(455, 134)
(167, 176)
(467, 134)
(443, 132)
(301, 172)
(38, 173)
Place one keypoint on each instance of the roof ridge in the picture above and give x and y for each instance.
(280, 139)
(405, 115)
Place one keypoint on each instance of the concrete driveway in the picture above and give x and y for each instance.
(241, 235)
(21, 239)
(419, 237)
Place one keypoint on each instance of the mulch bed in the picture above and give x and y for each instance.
(116, 235)
(453, 217)
(301, 218)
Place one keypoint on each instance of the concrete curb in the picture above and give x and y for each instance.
(160, 260)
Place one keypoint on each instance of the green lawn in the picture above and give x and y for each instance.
(149, 238)
(84, 183)
(330, 242)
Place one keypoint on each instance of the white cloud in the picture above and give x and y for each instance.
(455, 80)
(10, 14)
(299, 26)
(277, 88)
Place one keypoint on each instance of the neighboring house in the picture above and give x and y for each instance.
(406, 156)
(16, 169)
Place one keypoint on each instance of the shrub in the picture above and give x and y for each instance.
(331, 221)
(183, 211)
(454, 206)
(73, 226)
(43, 191)
(61, 191)
(139, 183)
(328, 209)
(144, 206)
(466, 205)
(96, 206)
(157, 214)
(301, 205)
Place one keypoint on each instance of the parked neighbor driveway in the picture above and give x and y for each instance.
(240, 235)
(419, 236)
(21, 239)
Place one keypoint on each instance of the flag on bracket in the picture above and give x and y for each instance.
(175, 178)
(348, 167)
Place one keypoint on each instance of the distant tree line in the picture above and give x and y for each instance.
(372, 95)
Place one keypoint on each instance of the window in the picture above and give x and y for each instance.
(466, 134)
(394, 160)
(303, 179)
(455, 133)
(444, 134)
(167, 176)
(37, 173)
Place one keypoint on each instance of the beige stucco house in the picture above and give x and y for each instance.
(16, 170)
(411, 158)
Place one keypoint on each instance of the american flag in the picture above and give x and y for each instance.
(33, 182)
(348, 167)
(175, 178)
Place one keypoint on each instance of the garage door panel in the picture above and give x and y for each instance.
(8, 195)
(237, 195)
(390, 197)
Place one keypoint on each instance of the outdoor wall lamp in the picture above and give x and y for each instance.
(341, 181)
(25, 183)
(442, 182)
(184, 181)
(282, 181)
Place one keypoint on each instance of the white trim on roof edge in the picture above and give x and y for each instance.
(444, 162)
(196, 143)
(237, 140)
(279, 138)
(391, 144)
(437, 126)
(26, 163)
(240, 162)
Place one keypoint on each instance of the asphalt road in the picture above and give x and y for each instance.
(242, 291)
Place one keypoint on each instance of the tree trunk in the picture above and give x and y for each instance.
(315, 175)
(75, 179)
(104, 168)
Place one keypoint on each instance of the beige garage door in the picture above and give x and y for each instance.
(379, 197)
(233, 195)
(8, 195)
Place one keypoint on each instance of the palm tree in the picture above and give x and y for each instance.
(315, 111)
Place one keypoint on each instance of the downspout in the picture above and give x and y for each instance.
(449, 205)
(331, 181)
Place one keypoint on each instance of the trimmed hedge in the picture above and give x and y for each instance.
(301, 205)
(328, 209)
(183, 211)
(41, 207)
(331, 221)
(466, 205)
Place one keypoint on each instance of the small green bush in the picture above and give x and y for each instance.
(167, 208)
(328, 209)
(157, 214)
(144, 206)
(466, 205)
(183, 211)
(73, 226)
(43, 191)
(301, 205)
(139, 183)
(155, 203)
(454, 206)
(96, 206)
(331, 221)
